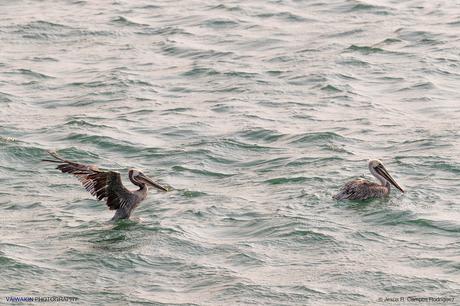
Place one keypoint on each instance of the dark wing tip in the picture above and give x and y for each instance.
(51, 160)
(57, 159)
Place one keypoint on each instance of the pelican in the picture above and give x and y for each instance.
(360, 189)
(107, 185)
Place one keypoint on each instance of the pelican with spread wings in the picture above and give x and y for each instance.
(107, 185)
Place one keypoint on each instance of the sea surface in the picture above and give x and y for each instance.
(256, 113)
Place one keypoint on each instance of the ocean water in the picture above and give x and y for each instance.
(256, 112)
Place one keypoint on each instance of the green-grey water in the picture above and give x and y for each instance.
(256, 112)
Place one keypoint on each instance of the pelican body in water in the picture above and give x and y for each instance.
(360, 189)
(107, 185)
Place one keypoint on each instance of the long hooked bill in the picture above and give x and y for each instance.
(383, 172)
(152, 183)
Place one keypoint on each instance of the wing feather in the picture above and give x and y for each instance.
(101, 184)
(360, 190)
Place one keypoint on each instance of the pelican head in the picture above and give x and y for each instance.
(138, 178)
(377, 168)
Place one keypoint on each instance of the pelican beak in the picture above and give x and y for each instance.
(150, 182)
(383, 172)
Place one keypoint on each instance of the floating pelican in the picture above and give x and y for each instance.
(107, 185)
(361, 189)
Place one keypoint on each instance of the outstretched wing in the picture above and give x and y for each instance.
(360, 190)
(101, 184)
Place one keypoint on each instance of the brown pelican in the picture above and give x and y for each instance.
(361, 189)
(107, 185)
